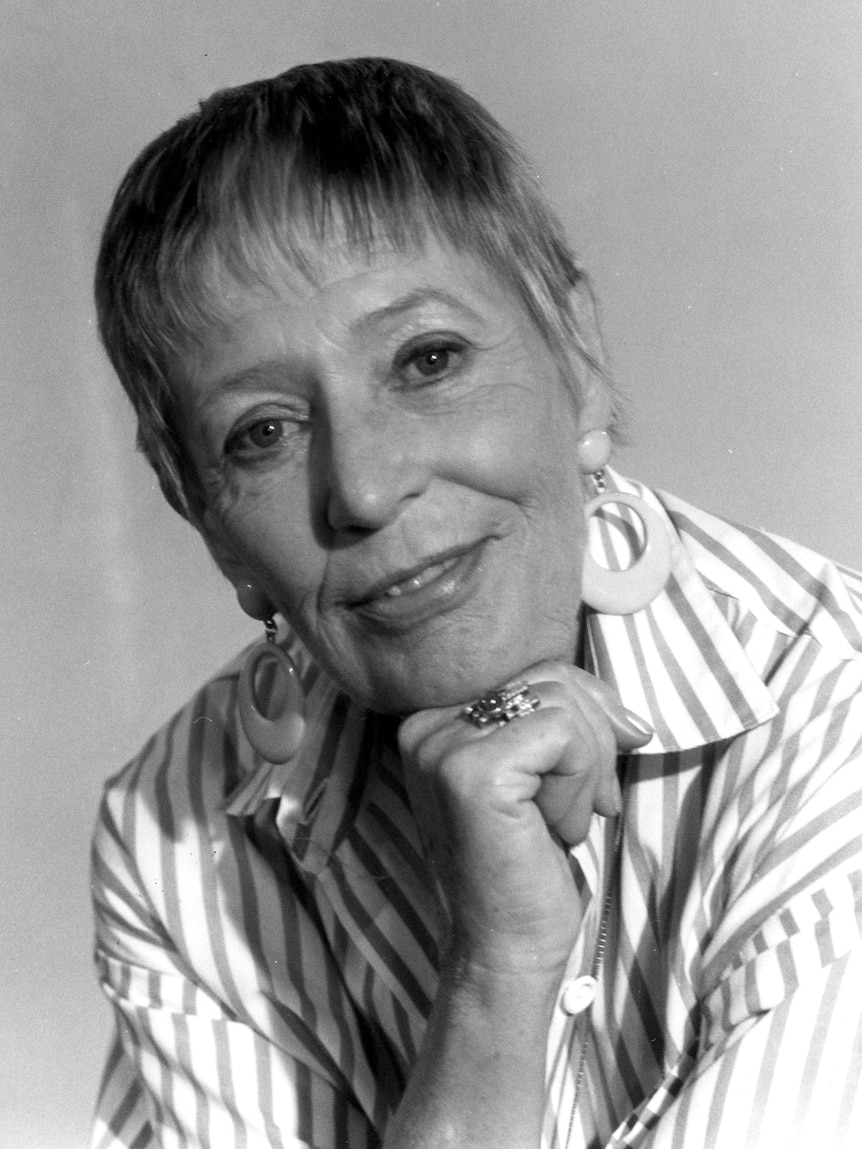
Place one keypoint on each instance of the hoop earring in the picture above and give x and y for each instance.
(627, 591)
(274, 725)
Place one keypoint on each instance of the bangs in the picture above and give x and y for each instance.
(288, 180)
(251, 249)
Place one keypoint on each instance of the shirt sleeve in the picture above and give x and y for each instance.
(185, 1069)
(778, 1057)
(782, 1066)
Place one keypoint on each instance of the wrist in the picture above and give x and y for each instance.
(479, 1077)
(480, 952)
(498, 978)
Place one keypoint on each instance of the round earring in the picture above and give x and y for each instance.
(626, 591)
(269, 696)
(594, 451)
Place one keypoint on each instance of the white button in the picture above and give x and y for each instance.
(579, 994)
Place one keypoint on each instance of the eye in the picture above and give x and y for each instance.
(430, 360)
(429, 363)
(256, 438)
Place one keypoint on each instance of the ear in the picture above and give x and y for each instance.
(588, 362)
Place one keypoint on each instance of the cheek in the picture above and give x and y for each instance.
(273, 540)
(538, 457)
(519, 453)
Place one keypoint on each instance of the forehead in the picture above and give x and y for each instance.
(344, 312)
(353, 283)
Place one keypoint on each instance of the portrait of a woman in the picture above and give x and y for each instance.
(534, 816)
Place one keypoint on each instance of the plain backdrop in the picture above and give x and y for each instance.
(706, 158)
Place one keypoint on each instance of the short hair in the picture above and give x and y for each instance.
(380, 149)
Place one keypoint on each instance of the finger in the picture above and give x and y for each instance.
(607, 799)
(584, 781)
(630, 729)
(590, 749)
(565, 753)
(416, 728)
(566, 803)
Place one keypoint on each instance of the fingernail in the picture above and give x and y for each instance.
(639, 724)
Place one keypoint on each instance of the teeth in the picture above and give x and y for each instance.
(419, 580)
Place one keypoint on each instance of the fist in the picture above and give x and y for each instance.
(493, 804)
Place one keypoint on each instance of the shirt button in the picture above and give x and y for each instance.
(579, 994)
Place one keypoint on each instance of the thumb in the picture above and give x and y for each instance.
(631, 731)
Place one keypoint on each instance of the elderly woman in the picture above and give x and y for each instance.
(536, 821)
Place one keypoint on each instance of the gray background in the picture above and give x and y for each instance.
(706, 158)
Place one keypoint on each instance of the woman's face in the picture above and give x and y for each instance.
(389, 450)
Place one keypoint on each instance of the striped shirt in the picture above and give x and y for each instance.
(267, 935)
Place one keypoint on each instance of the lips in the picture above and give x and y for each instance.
(415, 582)
(438, 583)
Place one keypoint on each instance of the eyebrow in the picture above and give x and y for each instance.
(261, 371)
(410, 302)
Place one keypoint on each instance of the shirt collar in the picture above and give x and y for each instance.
(677, 663)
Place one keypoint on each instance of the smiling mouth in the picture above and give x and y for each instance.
(416, 582)
(438, 586)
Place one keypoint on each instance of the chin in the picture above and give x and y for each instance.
(457, 687)
(451, 668)
(402, 700)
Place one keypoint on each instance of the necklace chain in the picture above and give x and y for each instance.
(595, 970)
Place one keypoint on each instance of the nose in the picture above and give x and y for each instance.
(373, 464)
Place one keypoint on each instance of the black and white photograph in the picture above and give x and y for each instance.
(432, 608)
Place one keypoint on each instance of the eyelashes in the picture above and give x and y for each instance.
(260, 437)
(427, 360)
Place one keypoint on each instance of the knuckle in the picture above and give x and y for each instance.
(410, 732)
(448, 769)
(606, 743)
(426, 756)
(551, 668)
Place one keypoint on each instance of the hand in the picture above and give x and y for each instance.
(491, 802)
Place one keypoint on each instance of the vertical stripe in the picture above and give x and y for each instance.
(225, 1083)
(718, 1101)
(851, 1095)
(766, 1080)
(817, 1045)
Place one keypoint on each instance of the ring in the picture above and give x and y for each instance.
(501, 705)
